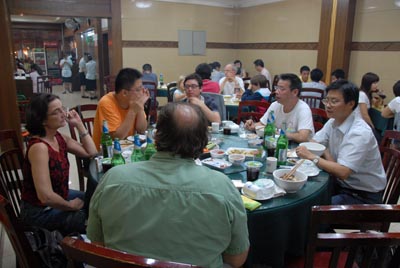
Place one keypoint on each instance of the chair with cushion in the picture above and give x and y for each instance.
(152, 104)
(391, 164)
(344, 247)
(171, 87)
(219, 100)
(246, 82)
(78, 252)
(25, 257)
(11, 162)
(86, 112)
(44, 84)
(252, 109)
(319, 118)
(390, 139)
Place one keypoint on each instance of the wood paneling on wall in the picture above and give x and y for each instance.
(8, 101)
(82, 8)
(376, 46)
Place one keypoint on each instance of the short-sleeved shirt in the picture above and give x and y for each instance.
(394, 106)
(259, 94)
(298, 118)
(108, 109)
(353, 145)
(229, 87)
(58, 168)
(169, 208)
(82, 65)
(91, 70)
(66, 69)
(210, 86)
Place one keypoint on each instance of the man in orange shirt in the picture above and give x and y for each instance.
(124, 108)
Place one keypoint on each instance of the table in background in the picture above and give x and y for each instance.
(280, 225)
(232, 108)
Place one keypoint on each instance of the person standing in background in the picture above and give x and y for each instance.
(91, 77)
(66, 73)
(36, 72)
(148, 74)
(82, 75)
(259, 66)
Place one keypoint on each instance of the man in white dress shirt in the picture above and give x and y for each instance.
(352, 154)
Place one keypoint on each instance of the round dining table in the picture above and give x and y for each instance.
(279, 227)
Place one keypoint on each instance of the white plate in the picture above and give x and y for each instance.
(248, 152)
(257, 199)
(142, 138)
(309, 168)
(217, 163)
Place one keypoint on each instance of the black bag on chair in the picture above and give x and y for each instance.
(46, 244)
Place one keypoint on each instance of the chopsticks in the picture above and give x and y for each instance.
(293, 170)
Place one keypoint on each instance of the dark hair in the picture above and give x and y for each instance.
(36, 113)
(239, 69)
(367, 80)
(185, 136)
(194, 76)
(349, 91)
(36, 67)
(304, 68)
(147, 67)
(259, 62)
(316, 75)
(396, 89)
(204, 70)
(216, 64)
(259, 80)
(338, 73)
(89, 57)
(126, 78)
(295, 82)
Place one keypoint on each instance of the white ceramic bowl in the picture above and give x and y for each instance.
(313, 147)
(287, 185)
(260, 131)
(217, 153)
(255, 143)
(236, 159)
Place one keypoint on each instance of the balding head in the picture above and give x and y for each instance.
(182, 130)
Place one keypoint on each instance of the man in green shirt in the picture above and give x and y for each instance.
(169, 208)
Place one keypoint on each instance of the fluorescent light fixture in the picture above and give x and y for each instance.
(143, 4)
(397, 3)
(91, 33)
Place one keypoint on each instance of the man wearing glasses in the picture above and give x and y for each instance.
(289, 110)
(352, 155)
(193, 87)
(231, 84)
(124, 108)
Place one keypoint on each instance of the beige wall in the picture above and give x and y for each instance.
(376, 21)
(288, 21)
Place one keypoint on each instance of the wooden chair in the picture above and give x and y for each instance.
(25, 257)
(152, 104)
(44, 84)
(78, 252)
(22, 105)
(252, 110)
(349, 243)
(11, 162)
(88, 121)
(319, 118)
(219, 100)
(171, 87)
(313, 97)
(109, 81)
(389, 139)
(391, 164)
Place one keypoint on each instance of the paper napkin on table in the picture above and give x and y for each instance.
(278, 191)
(250, 204)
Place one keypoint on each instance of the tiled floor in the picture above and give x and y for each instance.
(7, 259)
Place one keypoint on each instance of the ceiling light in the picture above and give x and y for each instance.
(397, 3)
(143, 4)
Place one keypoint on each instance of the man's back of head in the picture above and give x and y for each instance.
(204, 70)
(316, 75)
(182, 130)
(147, 68)
(126, 78)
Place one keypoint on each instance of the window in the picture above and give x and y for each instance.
(191, 42)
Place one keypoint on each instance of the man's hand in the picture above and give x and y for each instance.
(196, 101)
(137, 104)
(249, 125)
(304, 153)
(76, 204)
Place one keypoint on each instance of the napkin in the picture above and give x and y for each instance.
(278, 191)
(250, 204)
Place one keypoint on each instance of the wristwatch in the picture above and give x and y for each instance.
(316, 160)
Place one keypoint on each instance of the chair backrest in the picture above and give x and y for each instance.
(391, 164)
(44, 84)
(171, 87)
(390, 138)
(78, 251)
(251, 109)
(350, 215)
(313, 97)
(319, 118)
(15, 231)
(152, 104)
(11, 163)
(22, 105)
(219, 100)
(246, 82)
(88, 120)
(109, 81)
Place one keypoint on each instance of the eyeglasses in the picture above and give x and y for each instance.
(62, 110)
(332, 102)
(138, 89)
(231, 70)
(194, 86)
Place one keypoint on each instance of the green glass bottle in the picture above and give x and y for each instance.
(117, 158)
(137, 154)
(150, 148)
(269, 135)
(281, 148)
(106, 141)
